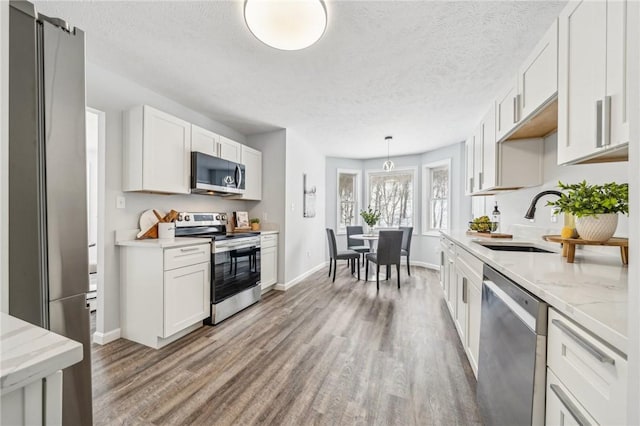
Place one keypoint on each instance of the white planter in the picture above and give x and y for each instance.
(597, 228)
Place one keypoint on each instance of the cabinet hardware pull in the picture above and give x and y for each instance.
(606, 121)
(516, 109)
(599, 126)
(570, 406)
(470, 184)
(595, 352)
(464, 290)
(186, 250)
(480, 180)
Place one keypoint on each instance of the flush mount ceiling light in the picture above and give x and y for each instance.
(286, 24)
(388, 165)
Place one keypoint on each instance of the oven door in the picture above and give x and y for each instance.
(235, 269)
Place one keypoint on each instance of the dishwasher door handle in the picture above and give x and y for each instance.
(514, 307)
(595, 352)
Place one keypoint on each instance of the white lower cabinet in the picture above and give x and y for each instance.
(165, 292)
(38, 403)
(562, 408)
(268, 260)
(592, 374)
(461, 281)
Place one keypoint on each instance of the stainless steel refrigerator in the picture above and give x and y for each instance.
(48, 255)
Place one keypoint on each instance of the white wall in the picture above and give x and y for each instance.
(513, 205)
(114, 94)
(304, 237)
(271, 209)
(4, 157)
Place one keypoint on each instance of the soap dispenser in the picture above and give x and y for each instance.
(495, 217)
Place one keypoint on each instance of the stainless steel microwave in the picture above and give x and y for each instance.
(215, 176)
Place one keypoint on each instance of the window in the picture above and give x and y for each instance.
(348, 195)
(391, 193)
(436, 206)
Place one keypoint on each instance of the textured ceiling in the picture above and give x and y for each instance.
(424, 72)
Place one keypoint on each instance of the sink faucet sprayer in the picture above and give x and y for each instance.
(532, 208)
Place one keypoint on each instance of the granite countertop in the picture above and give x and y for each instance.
(592, 291)
(168, 243)
(30, 353)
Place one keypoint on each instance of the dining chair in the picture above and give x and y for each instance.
(335, 255)
(356, 245)
(388, 253)
(407, 232)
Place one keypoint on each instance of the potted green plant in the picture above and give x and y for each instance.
(595, 207)
(370, 217)
(255, 224)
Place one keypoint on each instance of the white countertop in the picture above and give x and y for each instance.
(268, 232)
(592, 291)
(168, 243)
(30, 353)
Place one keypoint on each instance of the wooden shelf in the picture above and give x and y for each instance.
(569, 246)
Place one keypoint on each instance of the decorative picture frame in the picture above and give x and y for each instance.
(309, 199)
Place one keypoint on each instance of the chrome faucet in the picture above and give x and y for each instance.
(532, 208)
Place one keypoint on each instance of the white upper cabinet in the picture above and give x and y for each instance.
(252, 161)
(230, 150)
(507, 110)
(157, 149)
(538, 77)
(488, 133)
(592, 98)
(469, 156)
(205, 141)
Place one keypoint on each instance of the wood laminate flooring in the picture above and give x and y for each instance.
(320, 353)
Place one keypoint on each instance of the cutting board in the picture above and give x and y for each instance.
(489, 235)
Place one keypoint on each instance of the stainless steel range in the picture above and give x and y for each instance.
(235, 262)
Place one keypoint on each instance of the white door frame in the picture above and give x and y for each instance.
(100, 243)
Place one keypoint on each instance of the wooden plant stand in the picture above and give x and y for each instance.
(569, 246)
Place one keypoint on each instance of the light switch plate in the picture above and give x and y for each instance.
(120, 202)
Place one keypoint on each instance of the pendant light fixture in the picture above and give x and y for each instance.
(388, 165)
(286, 24)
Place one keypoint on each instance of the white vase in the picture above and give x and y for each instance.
(597, 228)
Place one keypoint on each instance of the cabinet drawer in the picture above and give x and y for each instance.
(472, 263)
(562, 407)
(595, 374)
(185, 256)
(270, 240)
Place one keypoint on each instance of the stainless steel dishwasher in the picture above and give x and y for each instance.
(513, 342)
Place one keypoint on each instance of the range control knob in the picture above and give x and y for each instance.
(218, 217)
(187, 218)
(180, 217)
(223, 217)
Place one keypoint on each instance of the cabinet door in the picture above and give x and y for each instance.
(474, 301)
(450, 291)
(582, 54)
(204, 141)
(469, 159)
(538, 77)
(252, 161)
(507, 111)
(488, 176)
(462, 283)
(269, 266)
(186, 297)
(166, 163)
(230, 150)
(618, 23)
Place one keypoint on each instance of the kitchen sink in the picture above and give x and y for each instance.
(523, 247)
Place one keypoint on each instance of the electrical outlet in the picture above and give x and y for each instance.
(265, 216)
(308, 254)
(120, 202)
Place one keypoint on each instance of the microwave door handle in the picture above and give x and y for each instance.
(238, 176)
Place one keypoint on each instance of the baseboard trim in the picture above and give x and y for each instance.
(426, 265)
(104, 338)
(299, 278)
